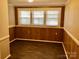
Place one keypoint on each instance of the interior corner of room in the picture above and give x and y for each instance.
(43, 27)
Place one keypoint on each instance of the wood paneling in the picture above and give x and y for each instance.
(22, 32)
(35, 33)
(55, 34)
(39, 33)
(62, 16)
(71, 47)
(38, 6)
(16, 16)
(43, 34)
(11, 33)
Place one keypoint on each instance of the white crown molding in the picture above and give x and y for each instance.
(67, 2)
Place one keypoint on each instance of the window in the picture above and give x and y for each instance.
(38, 17)
(24, 17)
(52, 18)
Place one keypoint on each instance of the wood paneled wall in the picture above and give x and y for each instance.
(11, 33)
(52, 34)
(71, 47)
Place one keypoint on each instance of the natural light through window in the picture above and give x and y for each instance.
(52, 18)
(24, 17)
(38, 17)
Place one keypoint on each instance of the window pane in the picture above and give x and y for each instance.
(24, 17)
(38, 21)
(52, 18)
(24, 21)
(24, 13)
(52, 12)
(38, 17)
(52, 22)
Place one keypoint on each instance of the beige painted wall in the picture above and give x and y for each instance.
(11, 16)
(3, 18)
(4, 48)
(72, 18)
(4, 31)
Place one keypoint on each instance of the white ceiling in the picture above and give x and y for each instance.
(23, 2)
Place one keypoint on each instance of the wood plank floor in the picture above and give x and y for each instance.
(36, 50)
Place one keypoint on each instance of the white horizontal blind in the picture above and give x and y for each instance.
(24, 17)
(38, 17)
(52, 18)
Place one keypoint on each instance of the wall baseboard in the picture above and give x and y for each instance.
(8, 56)
(38, 40)
(43, 41)
(12, 40)
(65, 50)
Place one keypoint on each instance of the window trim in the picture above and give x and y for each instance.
(62, 13)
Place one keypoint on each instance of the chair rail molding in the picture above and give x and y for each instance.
(74, 38)
(3, 38)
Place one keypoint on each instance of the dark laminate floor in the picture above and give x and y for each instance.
(36, 50)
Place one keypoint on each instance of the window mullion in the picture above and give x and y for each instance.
(45, 18)
(31, 19)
